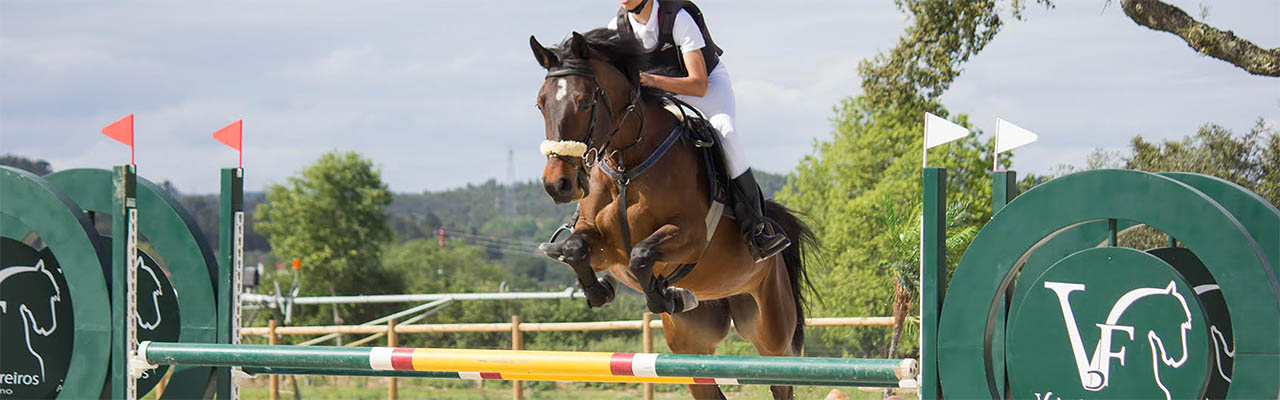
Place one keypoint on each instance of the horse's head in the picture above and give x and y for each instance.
(580, 100)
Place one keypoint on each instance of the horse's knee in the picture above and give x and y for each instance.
(642, 256)
(575, 249)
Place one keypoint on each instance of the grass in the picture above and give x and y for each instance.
(376, 388)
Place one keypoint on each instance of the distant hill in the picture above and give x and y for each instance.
(471, 207)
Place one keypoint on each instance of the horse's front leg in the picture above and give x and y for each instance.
(669, 243)
(576, 251)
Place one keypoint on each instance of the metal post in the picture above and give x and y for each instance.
(393, 392)
(647, 333)
(124, 281)
(933, 266)
(275, 379)
(230, 247)
(517, 343)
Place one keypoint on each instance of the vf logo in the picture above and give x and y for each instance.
(1116, 339)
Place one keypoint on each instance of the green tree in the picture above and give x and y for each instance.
(333, 218)
(1251, 160)
(873, 159)
(38, 167)
(943, 35)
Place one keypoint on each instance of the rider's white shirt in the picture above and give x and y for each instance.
(684, 32)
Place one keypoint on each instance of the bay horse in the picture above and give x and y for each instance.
(602, 131)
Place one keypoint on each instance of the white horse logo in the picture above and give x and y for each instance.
(1095, 371)
(155, 297)
(29, 320)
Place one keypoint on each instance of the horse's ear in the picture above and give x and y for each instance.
(578, 45)
(545, 57)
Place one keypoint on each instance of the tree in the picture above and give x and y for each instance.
(38, 167)
(942, 36)
(332, 217)
(1251, 160)
(871, 160)
(1203, 38)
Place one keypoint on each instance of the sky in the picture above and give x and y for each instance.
(437, 93)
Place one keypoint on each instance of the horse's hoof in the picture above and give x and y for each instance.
(681, 299)
(552, 250)
(600, 293)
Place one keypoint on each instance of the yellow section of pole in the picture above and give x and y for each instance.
(513, 362)
(393, 392)
(275, 379)
(647, 333)
(517, 343)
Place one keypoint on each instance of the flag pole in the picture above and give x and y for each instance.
(995, 151)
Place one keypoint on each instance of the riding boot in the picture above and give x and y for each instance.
(764, 237)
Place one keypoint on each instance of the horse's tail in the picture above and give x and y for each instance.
(802, 241)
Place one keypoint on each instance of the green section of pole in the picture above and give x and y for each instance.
(258, 355)
(933, 272)
(123, 230)
(1004, 187)
(230, 204)
(454, 375)
(859, 370)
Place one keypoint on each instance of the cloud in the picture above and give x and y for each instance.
(436, 93)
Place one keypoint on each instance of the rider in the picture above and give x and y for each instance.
(674, 33)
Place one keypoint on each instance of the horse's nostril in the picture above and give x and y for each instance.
(562, 185)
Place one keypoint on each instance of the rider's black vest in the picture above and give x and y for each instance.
(668, 54)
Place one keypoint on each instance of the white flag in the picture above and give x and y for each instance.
(939, 131)
(1010, 136)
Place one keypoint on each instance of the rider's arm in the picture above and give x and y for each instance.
(686, 34)
(693, 85)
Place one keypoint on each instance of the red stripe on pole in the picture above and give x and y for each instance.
(620, 364)
(402, 359)
(704, 380)
(491, 375)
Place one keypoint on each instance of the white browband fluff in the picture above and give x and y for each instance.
(567, 148)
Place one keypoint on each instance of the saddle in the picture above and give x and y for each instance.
(702, 135)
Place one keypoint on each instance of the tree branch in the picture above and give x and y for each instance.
(1205, 39)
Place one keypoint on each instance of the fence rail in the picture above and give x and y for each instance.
(525, 327)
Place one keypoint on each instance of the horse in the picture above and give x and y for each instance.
(602, 131)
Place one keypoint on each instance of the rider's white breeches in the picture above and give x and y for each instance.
(719, 108)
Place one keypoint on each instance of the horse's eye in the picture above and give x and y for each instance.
(583, 106)
(538, 106)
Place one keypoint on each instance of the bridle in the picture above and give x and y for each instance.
(593, 154)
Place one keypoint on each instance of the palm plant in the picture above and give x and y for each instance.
(902, 225)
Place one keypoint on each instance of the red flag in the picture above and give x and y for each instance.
(122, 131)
(231, 135)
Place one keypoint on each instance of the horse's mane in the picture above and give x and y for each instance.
(621, 50)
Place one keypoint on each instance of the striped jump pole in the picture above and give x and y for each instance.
(537, 365)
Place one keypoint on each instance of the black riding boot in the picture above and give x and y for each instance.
(764, 237)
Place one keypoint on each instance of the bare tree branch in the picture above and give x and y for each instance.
(1205, 39)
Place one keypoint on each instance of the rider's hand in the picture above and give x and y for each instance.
(646, 79)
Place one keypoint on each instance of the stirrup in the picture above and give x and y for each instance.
(775, 242)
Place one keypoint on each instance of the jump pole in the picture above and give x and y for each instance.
(537, 365)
